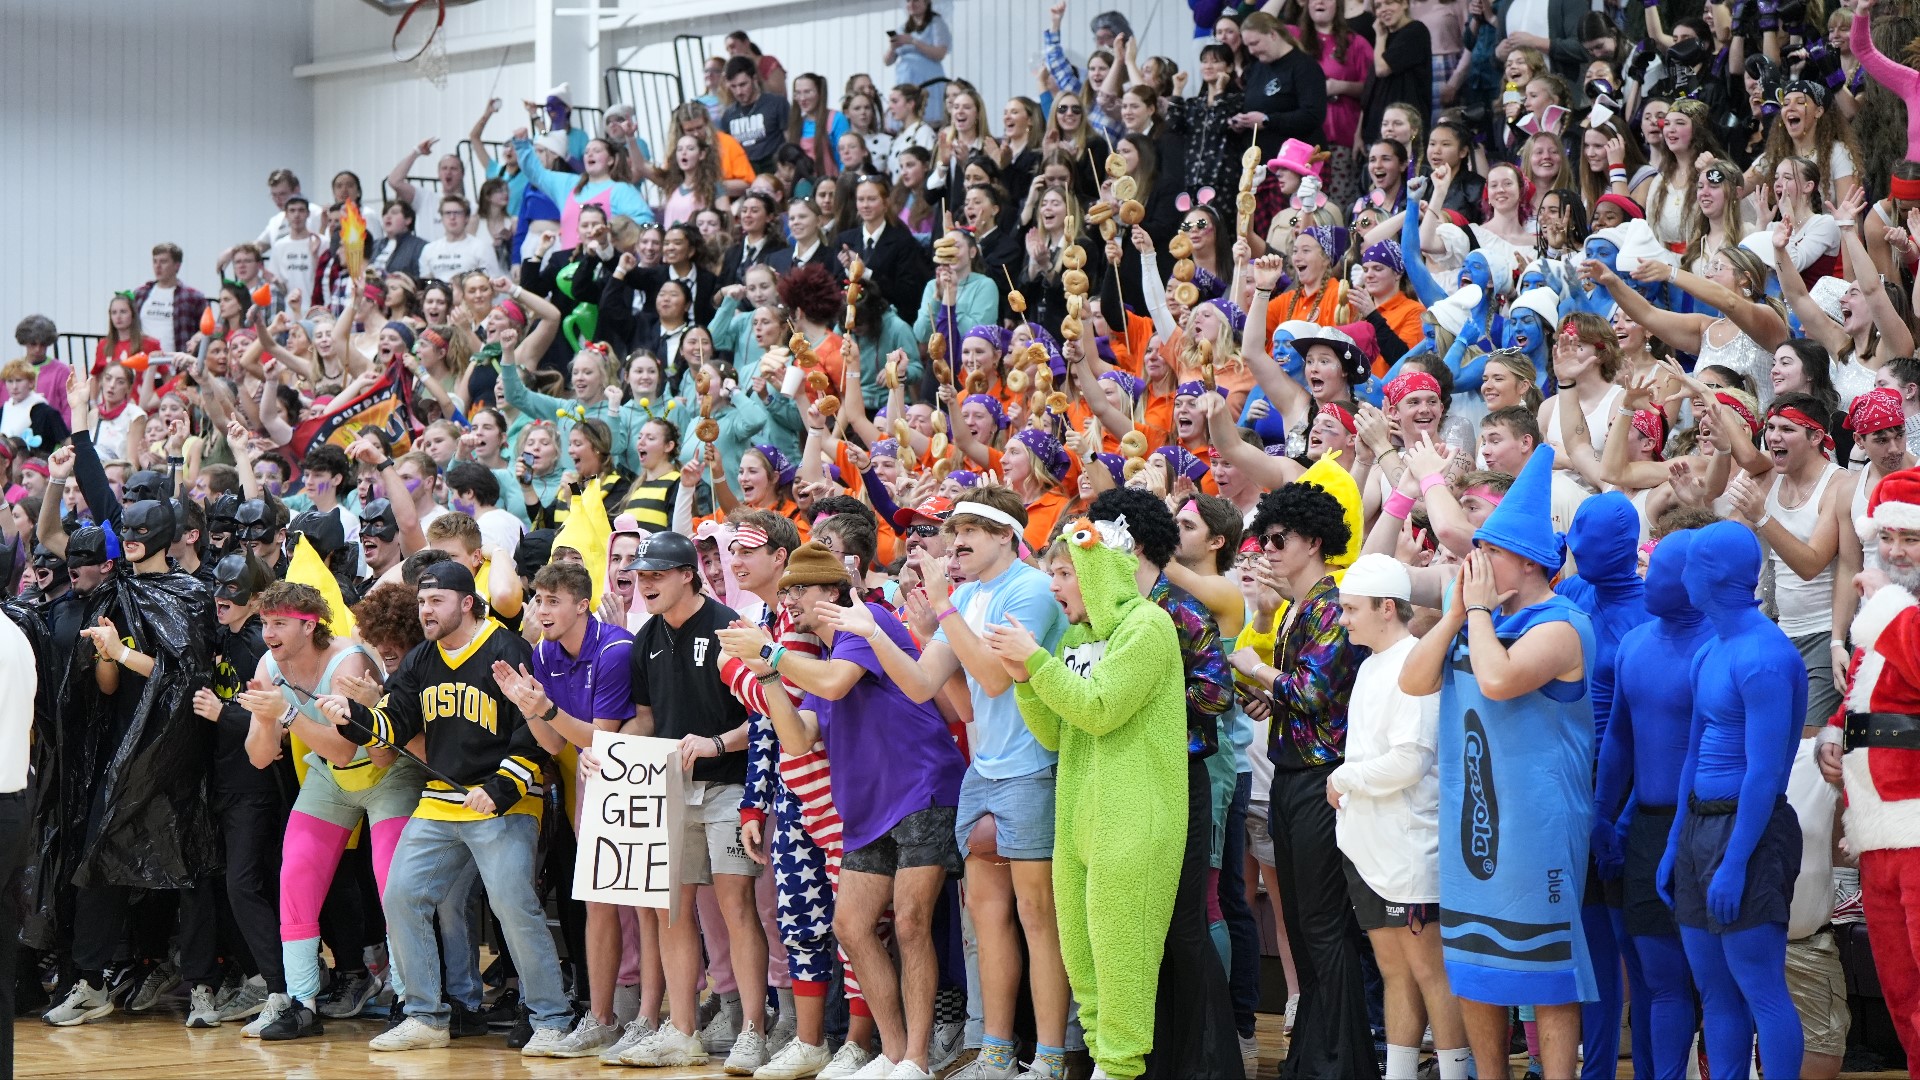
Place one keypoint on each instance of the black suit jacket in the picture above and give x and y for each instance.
(706, 286)
(899, 266)
(737, 263)
(406, 254)
(782, 261)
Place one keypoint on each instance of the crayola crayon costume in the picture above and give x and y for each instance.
(1516, 795)
(1106, 703)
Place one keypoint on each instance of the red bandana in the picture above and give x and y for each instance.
(1876, 410)
(1410, 382)
(1788, 412)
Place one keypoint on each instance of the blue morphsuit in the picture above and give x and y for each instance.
(1603, 539)
(1734, 849)
(1645, 745)
(1526, 332)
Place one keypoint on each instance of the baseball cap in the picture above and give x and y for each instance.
(933, 510)
(451, 576)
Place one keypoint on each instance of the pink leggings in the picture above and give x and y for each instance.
(311, 854)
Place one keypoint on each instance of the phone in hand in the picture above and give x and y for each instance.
(893, 33)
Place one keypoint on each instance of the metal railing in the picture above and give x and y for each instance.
(76, 350)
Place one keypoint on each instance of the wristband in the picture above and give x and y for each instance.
(1471, 608)
(1651, 3)
(1764, 518)
(942, 617)
(774, 660)
(768, 679)
(124, 652)
(1623, 410)
(1617, 174)
(1399, 504)
(286, 718)
(56, 481)
(1428, 483)
(719, 747)
(385, 464)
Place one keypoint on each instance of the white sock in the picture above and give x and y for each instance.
(786, 1002)
(1403, 1062)
(1454, 1063)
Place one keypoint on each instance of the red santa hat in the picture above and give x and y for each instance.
(1894, 504)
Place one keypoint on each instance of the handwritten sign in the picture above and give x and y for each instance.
(630, 821)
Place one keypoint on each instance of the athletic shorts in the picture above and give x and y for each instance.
(710, 837)
(1377, 913)
(1022, 809)
(395, 795)
(1259, 840)
(922, 838)
(1819, 989)
(1646, 914)
(1768, 897)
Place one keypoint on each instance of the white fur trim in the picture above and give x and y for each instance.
(1874, 824)
(1876, 612)
(1866, 678)
(1867, 531)
(1896, 515)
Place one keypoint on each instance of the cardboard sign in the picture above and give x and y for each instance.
(630, 822)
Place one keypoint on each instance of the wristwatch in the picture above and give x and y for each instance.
(552, 711)
(766, 652)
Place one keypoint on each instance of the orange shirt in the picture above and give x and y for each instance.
(1316, 307)
(733, 158)
(1042, 514)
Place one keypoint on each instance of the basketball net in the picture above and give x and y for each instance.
(433, 62)
(418, 41)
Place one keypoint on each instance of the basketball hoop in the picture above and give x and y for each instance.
(420, 43)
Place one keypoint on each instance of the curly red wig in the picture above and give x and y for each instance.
(811, 291)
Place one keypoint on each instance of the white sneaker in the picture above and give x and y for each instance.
(851, 1058)
(878, 1067)
(84, 1002)
(276, 1004)
(1293, 1009)
(720, 1032)
(201, 1012)
(980, 1069)
(546, 1040)
(669, 1048)
(796, 1061)
(1099, 1074)
(748, 1054)
(907, 1070)
(633, 1034)
(1033, 1070)
(247, 1001)
(945, 1045)
(587, 1039)
(412, 1034)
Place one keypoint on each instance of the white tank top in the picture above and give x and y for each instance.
(1805, 605)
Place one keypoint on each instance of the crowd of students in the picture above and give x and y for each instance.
(1452, 474)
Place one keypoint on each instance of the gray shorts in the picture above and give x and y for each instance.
(922, 838)
(1822, 695)
(394, 795)
(1259, 840)
(710, 840)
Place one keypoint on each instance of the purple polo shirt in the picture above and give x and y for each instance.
(891, 755)
(594, 685)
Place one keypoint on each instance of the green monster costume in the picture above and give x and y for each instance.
(1113, 704)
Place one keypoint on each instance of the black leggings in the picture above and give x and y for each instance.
(1193, 1012)
(1331, 1037)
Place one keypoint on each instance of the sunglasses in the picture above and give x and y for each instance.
(1274, 541)
(1069, 108)
(923, 531)
(1195, 226)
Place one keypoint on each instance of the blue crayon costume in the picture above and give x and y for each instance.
(1605, 533)
(1516, 785)
(1641, 754)
(1734, 851)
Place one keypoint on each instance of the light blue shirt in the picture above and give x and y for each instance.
(1003, 748)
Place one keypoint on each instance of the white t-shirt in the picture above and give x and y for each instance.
(501, 529)
(275, 231)
(110, 436)
(156, 317)
(293, 260)
(1389, 817)
(1530, 17)
(446, 259)
(22, 680)
(426, 214)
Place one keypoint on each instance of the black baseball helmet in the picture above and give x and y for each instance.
(323, 530)
(378, 521)
(664, 551)
(149, 522)
(254, 521)
(146, 485)
(87, 547)
(237, 577)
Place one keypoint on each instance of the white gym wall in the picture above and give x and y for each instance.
(126, 124)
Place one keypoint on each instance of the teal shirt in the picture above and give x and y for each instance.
(742, 424)
(732, 330)
(894, 334)
(978, 304)
(561, 411)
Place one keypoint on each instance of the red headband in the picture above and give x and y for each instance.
(289, 613)
(35, 466)
(513, 312)
(1876, 410)
(1788, 412)
(1736, 405)
(1905, 190)
(434, 337)
(1339, 412)
(1408, 383)
(1653, 424)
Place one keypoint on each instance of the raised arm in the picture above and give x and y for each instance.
(1793, 289)
(403, 188)
(1683, 332)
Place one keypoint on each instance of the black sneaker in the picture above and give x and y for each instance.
(504, 1011)
(298, 1022)
(522, 1032)
(466, 1023)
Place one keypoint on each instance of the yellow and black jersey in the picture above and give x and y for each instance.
(474, 733)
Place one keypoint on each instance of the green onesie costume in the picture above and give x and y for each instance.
(1113, 704)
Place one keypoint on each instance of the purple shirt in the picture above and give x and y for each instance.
(594, 685)
(891, 756)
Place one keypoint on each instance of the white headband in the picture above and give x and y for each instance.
(990, 513)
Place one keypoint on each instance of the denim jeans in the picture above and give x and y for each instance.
(1243, 975)
(431, 861)
(457, 917)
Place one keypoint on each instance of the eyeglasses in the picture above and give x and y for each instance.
(924, 531)
(1274, 541)
(792, 593)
